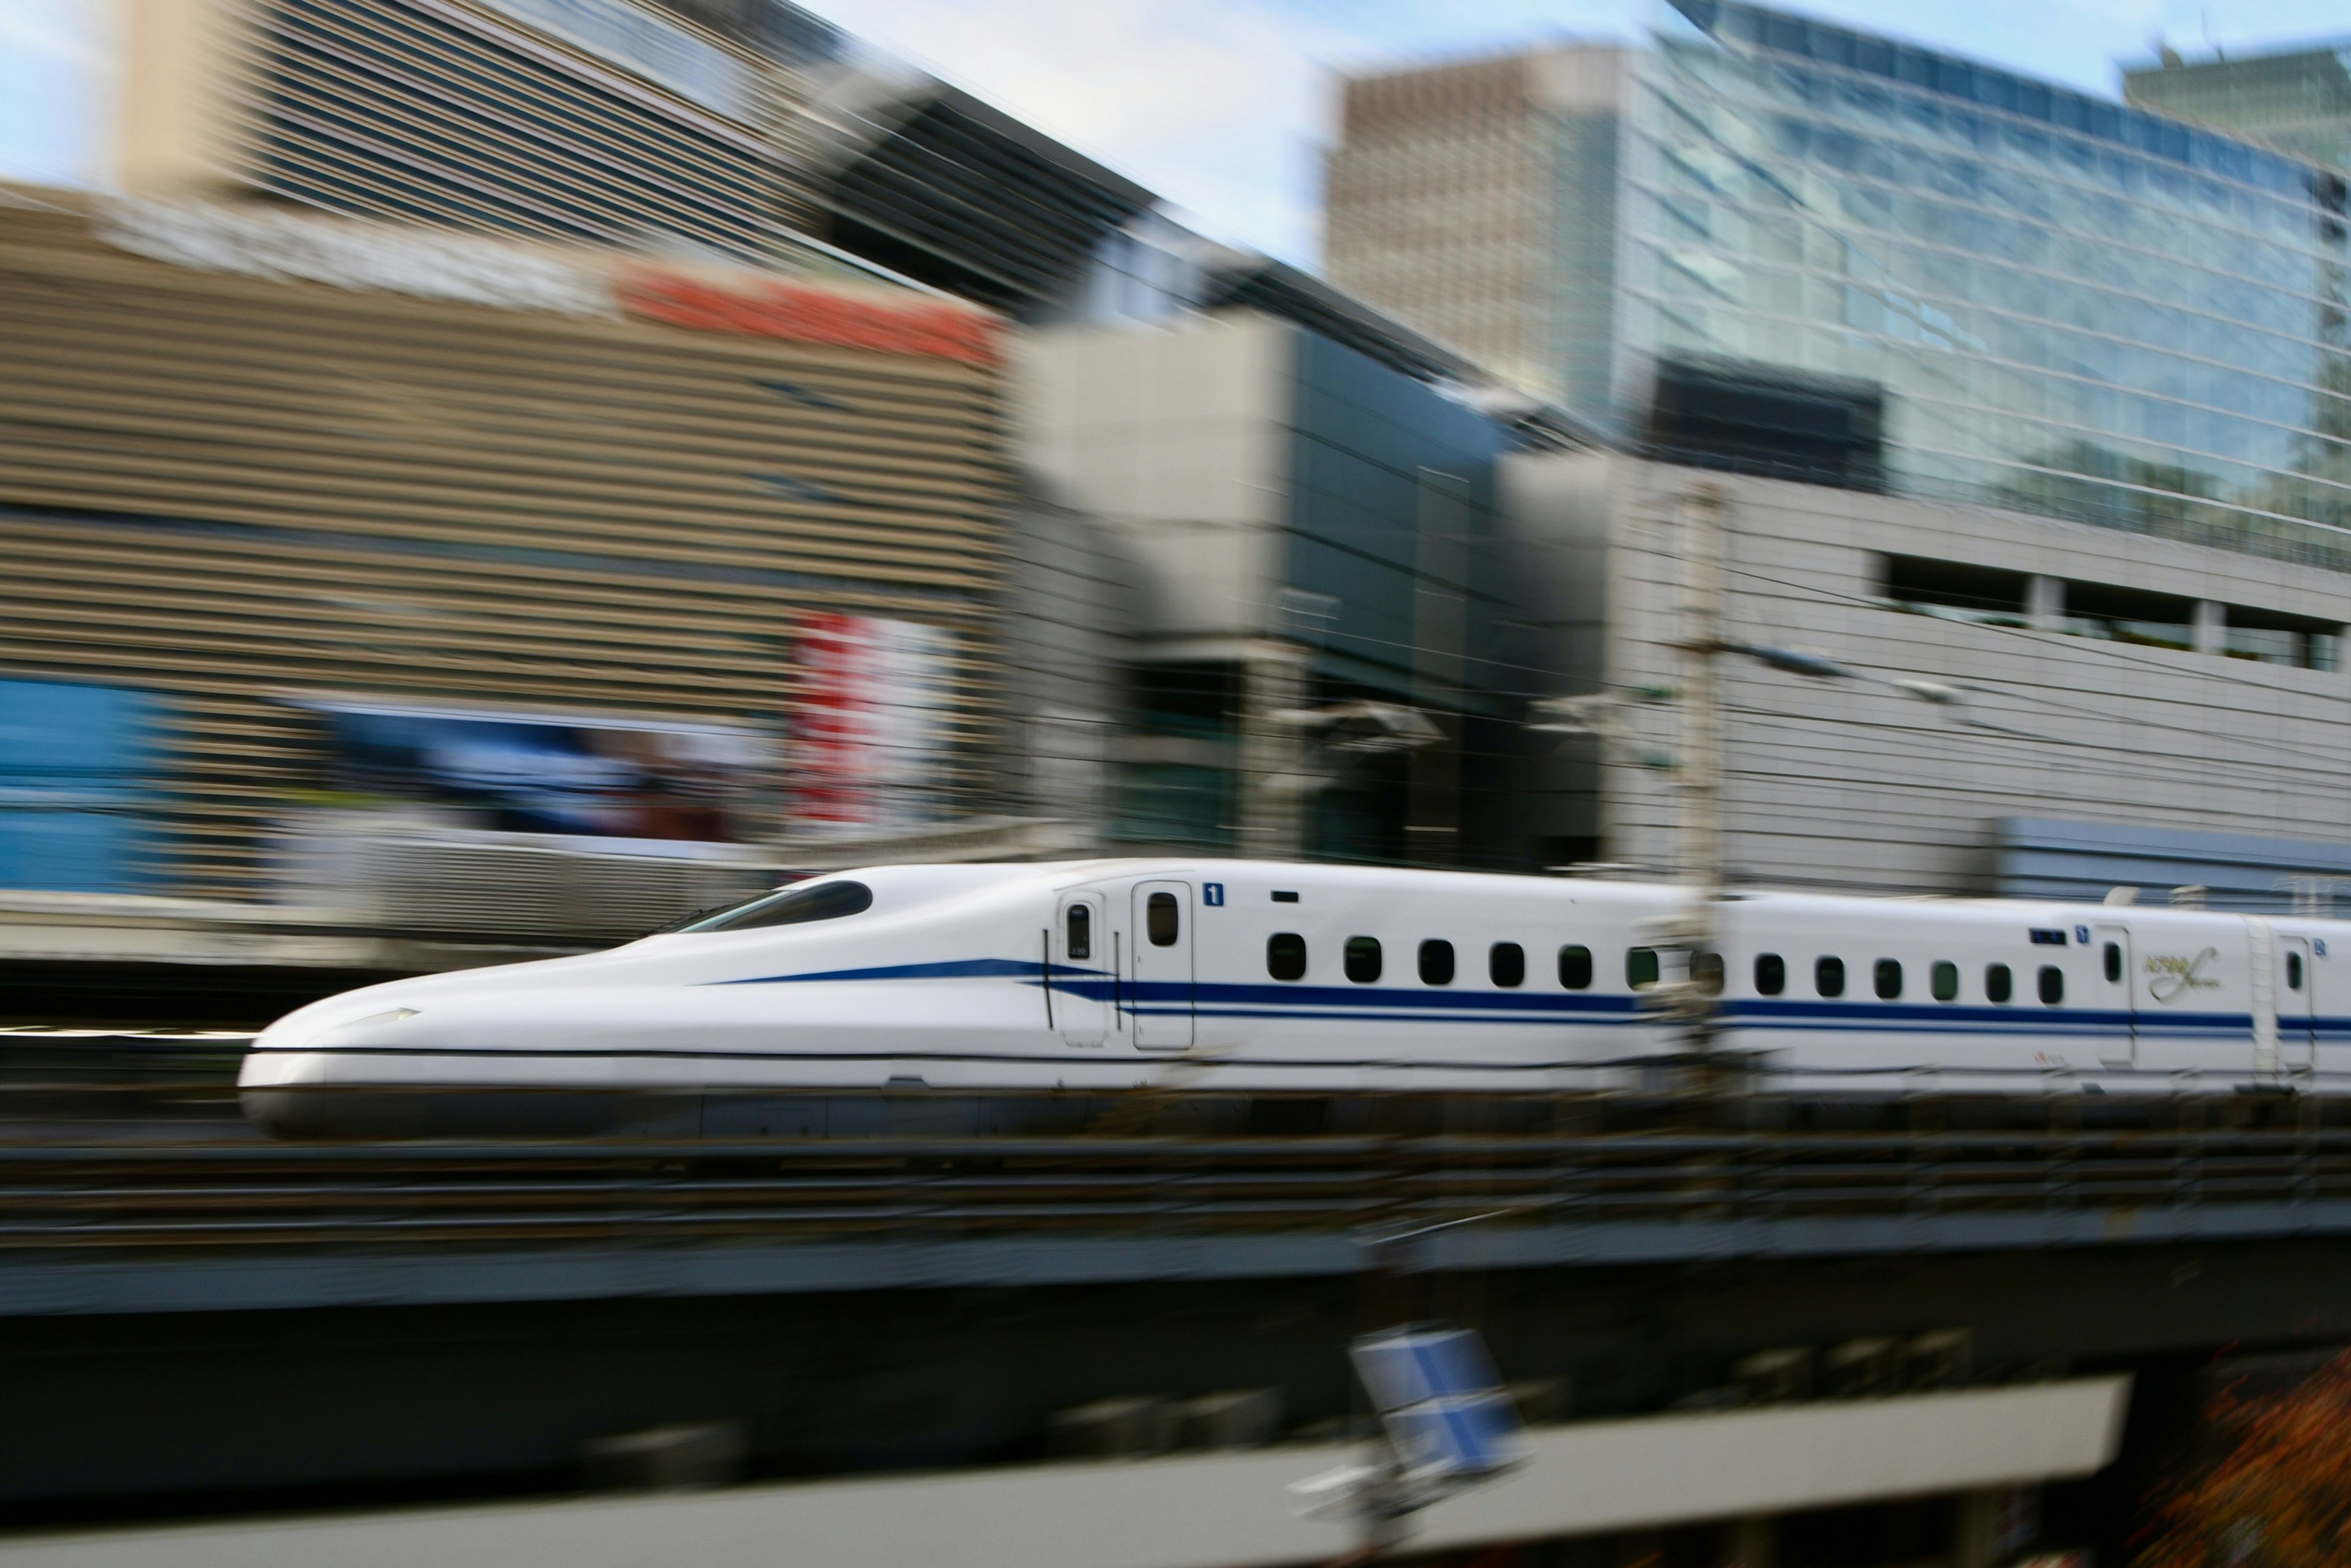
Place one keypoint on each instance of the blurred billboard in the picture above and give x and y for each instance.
(868, 749)
(602, 776)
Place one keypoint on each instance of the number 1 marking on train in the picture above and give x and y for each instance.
(1212, 894)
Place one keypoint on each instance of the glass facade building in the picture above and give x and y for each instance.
(2074, 307)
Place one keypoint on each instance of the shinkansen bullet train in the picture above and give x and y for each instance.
(977, 997)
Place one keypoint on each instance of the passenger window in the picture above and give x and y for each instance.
(1887, 979)
(2053, 985)
(1576, 968)
(1641, 967)
(1159, 919)
(1706, 972)
(1770, 974)
(1506, 963)
(1945, 981)
(1285, 955)
(1435, 963)
(2114, 957)
(1998, 984)
(2293, 971)
(1081, 932)
(1363, 959)
(1828, 976)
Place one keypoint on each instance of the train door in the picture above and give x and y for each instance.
(2297, 1012)
(1080, 978)
(2119, 1042)
(1162, 945)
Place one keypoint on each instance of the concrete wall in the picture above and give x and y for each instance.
(1178, 442)
(1853, 784)
(1209, 1511)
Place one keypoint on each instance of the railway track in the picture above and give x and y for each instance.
(226, 1195)
(133, 1140)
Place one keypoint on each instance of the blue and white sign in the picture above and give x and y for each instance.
(1444, 1405)
(1212, 894)
(658, 50)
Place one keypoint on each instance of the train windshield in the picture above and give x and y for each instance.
(824, 900)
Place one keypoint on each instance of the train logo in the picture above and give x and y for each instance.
(2175, 977)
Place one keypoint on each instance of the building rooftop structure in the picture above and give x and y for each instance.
(2296, 100)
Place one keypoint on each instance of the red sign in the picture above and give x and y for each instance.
(764, 309)
(867, 737)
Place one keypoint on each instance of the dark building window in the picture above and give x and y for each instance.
(2128, 615)
(2269, 638)
(1748, 418)
(1956, 593)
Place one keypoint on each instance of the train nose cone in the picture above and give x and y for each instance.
(314, 1074)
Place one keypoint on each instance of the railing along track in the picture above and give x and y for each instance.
(248, 1195)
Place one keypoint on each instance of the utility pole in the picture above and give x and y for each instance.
(1701, 523)
(1702, 517)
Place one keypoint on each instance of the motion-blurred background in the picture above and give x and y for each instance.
(485, 478)
(480, 479)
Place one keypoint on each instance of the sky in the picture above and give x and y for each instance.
(1224, 107)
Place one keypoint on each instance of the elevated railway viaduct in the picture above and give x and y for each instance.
(198, 1322)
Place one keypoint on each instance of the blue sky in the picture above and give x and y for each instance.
(1222, 106)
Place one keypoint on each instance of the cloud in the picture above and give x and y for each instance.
(1218, 105)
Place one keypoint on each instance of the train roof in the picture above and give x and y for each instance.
(917, 881)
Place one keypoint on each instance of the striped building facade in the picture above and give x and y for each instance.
(256, 471)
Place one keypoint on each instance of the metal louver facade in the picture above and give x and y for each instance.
(238, 494)
(447, 112)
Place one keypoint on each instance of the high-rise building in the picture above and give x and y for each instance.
(1476, 202)
(2298, 100)
(2017, 294)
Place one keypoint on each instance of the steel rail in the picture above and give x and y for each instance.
(133, 1195)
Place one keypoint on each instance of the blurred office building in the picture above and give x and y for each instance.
(1323, 655)
(2029, 397)
(2070, 306)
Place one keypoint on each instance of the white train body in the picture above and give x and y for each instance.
(1236, 977)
